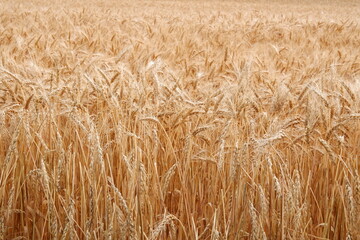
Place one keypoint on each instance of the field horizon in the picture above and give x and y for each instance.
(179, 119)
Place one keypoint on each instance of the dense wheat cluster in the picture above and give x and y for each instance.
(179, 120)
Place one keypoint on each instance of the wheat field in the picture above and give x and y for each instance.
(179, 119)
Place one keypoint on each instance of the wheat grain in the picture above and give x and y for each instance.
(328, 149)
(167, 177)
(161, 226)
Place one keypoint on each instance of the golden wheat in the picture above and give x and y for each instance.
(179, 119)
